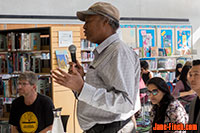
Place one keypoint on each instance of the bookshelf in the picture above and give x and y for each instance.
(164, 66)
(87, 53)
(26, 49)
(61, 96)
(46, 57)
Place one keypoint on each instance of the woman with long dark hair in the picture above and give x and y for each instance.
(178, 72)
(145, 72)
(182, 90)
(165, 108)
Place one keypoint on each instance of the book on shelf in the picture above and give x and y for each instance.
(3, 64)
(161, 52)
(167, 76)
(36, 63)
(35, 41)
(62, 59)
(154, 51)
(168, 51)
(3, 42)
(23, 41)
(186, 51)
(167, 63)
(43, 86)
(182, 60)
(9, 59)
(25, 62)
(1, 87)
(152, 64)
(147, 51)
(87, 56)
(85, 44)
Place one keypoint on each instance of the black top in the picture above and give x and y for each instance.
(145, 77)
(31, 118)
(197, 109)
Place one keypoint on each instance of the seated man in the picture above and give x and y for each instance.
(31, 112)
(193, 78)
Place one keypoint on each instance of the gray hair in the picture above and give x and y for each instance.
(113, 23)
(29, 76)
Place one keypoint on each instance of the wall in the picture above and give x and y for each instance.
(128, 8)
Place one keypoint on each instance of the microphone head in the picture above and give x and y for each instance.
(72, 48)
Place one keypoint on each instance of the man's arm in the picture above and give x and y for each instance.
(14, 129)
(121, 74)
(46, 129)
(186, 93)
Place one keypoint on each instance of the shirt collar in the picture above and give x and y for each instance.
(107, 42)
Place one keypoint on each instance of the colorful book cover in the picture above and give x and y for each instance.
(168, 51)
(161, 52)
(62, 59)
(141, 52)
(35, 41)
(154, 51)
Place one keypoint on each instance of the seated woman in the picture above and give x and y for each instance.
(165, 108)
(178, 72)
(182, 90)
(145, 72)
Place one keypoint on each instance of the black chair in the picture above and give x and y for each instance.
(64, 119)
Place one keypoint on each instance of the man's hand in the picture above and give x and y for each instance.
(78, 67)
(72, 80)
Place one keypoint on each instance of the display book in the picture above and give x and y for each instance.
(87, 53)
(162, 62)
(24, 50)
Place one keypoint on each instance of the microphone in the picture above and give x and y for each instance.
(72, 50)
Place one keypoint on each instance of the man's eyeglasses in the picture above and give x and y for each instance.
(22, 84)
(153, 92)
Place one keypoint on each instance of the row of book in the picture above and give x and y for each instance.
(85, 44)
(167, 76)
(21, 62)
(165, 63)
(23, 41)
(87, 56)
(155, 52)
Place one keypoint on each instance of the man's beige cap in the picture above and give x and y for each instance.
(101, 8)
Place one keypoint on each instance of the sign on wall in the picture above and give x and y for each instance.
(128, 35)
(146, 38)
(183, 39)
(65, 38)
(165, 35)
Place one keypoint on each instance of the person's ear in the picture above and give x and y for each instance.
(105, 21)
(35, 87)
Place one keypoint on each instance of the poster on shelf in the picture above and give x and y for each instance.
(128, 34)
(165, 38)
(183, 39)
(146, 38)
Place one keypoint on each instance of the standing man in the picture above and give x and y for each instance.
(193, 78)
(107, 98)
(31, 112)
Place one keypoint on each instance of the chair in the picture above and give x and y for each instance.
(170, 86)
(64, 119)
